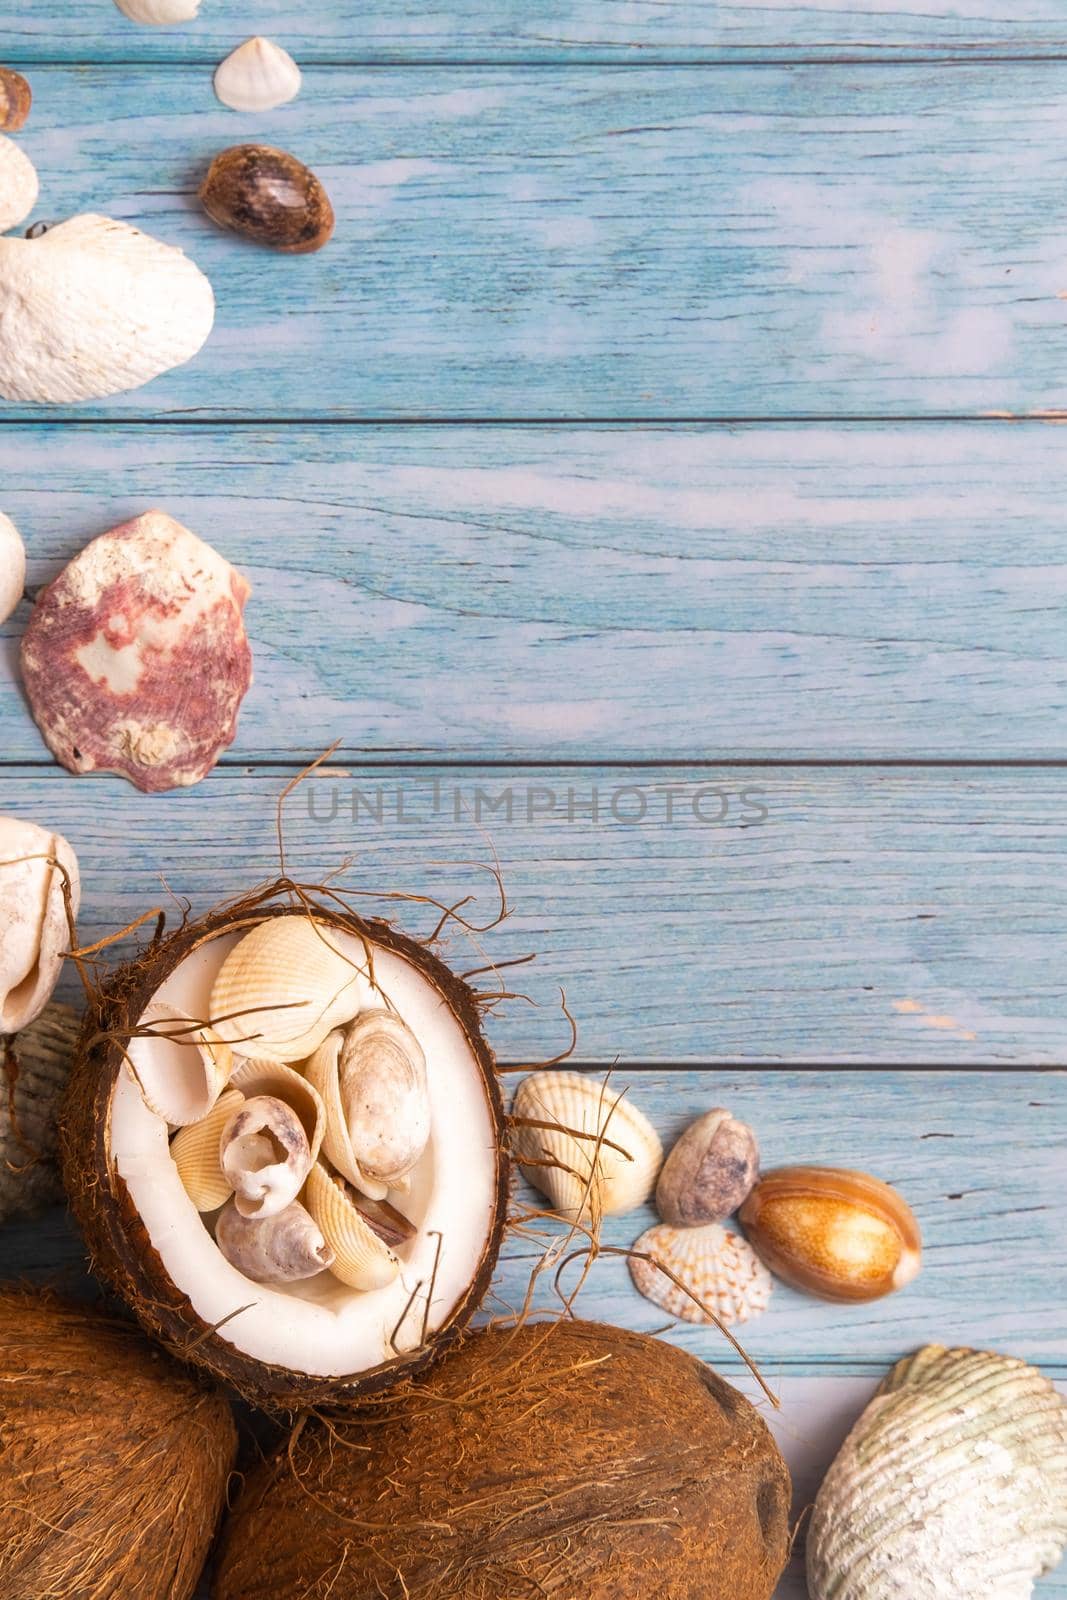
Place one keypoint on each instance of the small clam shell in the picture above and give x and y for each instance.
(611, 1168)
(12, 567)
(195, 1152)
(283, 987)
(268, 196)
(180, 1066)
(323, 1071)
(362, 1259)
(283, 1248)
(381, 1074)
(953, 1483)
(159, 13)
(257, 76)
(18, 184)
(35, 864)
(266, 1156)
(724, 1273)
(709, 1172)
(16, 97)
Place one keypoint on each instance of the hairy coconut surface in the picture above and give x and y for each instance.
(113, 1461)
(132, 1210)
(569, 1460)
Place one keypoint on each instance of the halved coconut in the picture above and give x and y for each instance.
(292, 1344)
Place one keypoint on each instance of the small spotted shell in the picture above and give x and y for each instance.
(362, 1259)
(195, 1152)
(953, 1483)
(584, 1145)
(283, 987)
(718, 1267)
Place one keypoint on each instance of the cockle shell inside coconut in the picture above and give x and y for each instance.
(195, 1150)
(718, 1267)
(12, 567)
(584, 1145)
(94, 307)
(36, 1068)
(257, 76)
(362, 1258)
(284, 987)
(953, 1483)
(136, 660)
(18, 184)
(180, 1066)
(372, 1077)
(38, 877)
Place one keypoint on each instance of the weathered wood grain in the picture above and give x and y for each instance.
(873, 916)
(979, 1157)
(602, 593)
(652, 243)
(389, 30)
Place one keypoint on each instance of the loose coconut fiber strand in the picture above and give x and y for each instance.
(113, 1462)
(36, 1067)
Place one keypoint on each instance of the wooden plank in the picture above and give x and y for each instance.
(872, 916)
(978, 1156)
(631, 244)
(544, 594)
(467, 30)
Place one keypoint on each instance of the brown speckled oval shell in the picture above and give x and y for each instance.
(268, 196)
(16, 97)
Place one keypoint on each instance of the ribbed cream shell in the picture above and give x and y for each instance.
(283, 987)
(195, 1152)
(581, 1176)
(361, 1259)
(951, 1486)
(717, 1266)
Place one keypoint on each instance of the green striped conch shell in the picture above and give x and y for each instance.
(951, 1486)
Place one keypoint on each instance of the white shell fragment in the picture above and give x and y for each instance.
(584, 1145)
(180, 1067)
(12, 567)
(37, 1068)
(952, 1483)
(265, 1155)
(94, 307)
(257, 76)
(718, 1267)
(362, 1259)
(136, 660)
(195, 1152)
(159, 12)
(284, 1248)
(18, 184)
(283, 987)
(34, 930)
(372, 1078)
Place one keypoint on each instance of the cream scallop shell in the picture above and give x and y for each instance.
(720, 1268)
(361, 1258)
(584, 1176)
(952, 1484)
(180, 1066)
(195, 1152)
(257, 76)
(283, 987)
(18, 184)
(94, 307)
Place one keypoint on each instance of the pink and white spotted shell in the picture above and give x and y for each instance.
(136, 659)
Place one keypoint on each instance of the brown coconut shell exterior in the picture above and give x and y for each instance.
(115, 1461)
(571, 1461)
(119, 1244)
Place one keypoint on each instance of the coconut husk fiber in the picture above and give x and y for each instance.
(113, 1461)
(568, 1460)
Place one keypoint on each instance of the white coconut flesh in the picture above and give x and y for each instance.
(319, 1326)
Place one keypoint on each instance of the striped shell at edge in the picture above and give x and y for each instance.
(612, 1167)
(719, 1267)
(952, 1485)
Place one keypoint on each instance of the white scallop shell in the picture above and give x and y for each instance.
(159, 12)
(12, 567)
(195, 1152)
(18, 184)
(718, 1267)
(283, 987)
(94, 307)
(361, 1258)
(257, 76)
(584, 1176)
(181, 1068)
(34, 930)
(951, 1486)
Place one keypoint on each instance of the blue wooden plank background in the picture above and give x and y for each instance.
(672, 420)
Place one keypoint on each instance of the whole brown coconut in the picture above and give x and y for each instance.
(125, 1253)
(113, 1462)
(570, 1460)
